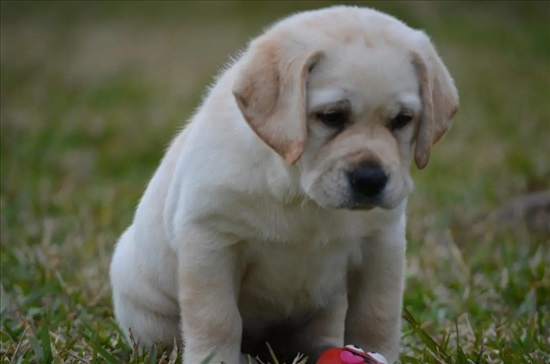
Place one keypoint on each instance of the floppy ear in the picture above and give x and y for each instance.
(270, 90)
(439, 101)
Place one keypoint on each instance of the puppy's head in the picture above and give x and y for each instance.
(345, 93)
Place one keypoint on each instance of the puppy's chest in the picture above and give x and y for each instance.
(284, 279)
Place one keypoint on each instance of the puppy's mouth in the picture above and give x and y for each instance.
(350, 200)
(361, 204)
(362, 189)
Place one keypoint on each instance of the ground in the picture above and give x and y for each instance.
(91, 94)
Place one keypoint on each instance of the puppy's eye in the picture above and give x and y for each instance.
(400, 121)
(334, 119)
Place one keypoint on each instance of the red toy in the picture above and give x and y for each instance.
(350, 354)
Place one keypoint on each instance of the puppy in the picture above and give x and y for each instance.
(278, 213)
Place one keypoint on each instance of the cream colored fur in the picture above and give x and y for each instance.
(249, 221)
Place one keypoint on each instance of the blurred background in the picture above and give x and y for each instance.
(92, 93)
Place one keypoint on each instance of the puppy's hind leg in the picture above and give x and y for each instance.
(152, 317)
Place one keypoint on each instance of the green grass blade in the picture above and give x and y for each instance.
(404, 359)
(208, 359)
(110, 358)
(436, 351)
(45, 342)
(36, 347)
(152, 357)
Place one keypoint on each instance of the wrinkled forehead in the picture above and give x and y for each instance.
(367, 78)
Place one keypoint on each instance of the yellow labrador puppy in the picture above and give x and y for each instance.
(278, 213)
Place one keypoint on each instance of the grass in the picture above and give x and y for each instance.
(91, 93)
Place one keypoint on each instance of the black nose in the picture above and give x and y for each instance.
(368, 181)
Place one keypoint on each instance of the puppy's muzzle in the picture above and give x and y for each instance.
(367, 183)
